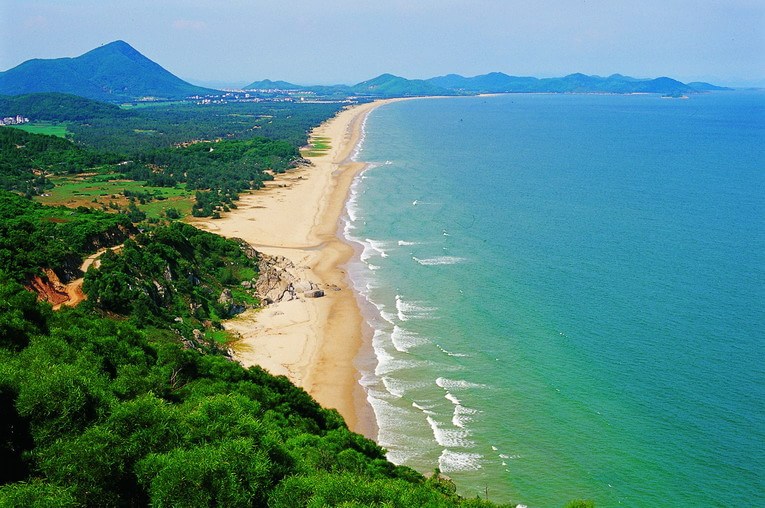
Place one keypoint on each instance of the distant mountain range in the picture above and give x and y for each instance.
(116, 72)
(388, 85)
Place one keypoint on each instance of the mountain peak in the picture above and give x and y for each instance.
(115, 48)
(114, 72)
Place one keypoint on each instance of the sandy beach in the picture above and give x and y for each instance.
(312, 341)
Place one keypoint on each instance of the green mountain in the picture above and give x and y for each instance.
(388, 85)
(114, 72)
(267, 84)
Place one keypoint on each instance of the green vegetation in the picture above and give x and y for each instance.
(27, 159)
(135, 130)
(123, 401)
(174, 275)
(580, 503)
(225, 167)
(318, 146)
(57, 107)
(34, 236)
(110, 191)
(98, 413)
(204, 155)
(45, 128)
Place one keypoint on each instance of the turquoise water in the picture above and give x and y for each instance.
(567, 294)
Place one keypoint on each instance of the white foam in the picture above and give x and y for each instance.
(439, 260)
(462, 415)
(451, 461)
(400, 309)
(387, 316)
(372, 267)
(403, 340)
(360, 145)
(403, 243)
(424, 409)
(454, 438)
(451, 398)
(377, 246)
(456, 383)
(456, 355)
(407, 310)
(394, 387)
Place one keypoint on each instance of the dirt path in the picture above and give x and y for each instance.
(73, 290)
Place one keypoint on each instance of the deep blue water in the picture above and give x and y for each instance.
(567, 293)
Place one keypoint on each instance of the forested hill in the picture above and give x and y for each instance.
(115, 72)
(58, 107)
(127, 400)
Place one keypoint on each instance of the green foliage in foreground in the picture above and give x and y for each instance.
(95, 412)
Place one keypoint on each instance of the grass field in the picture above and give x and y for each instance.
(105, 190)
(316, 146)
(47, 128)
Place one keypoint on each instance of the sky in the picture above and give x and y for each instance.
(348, 41)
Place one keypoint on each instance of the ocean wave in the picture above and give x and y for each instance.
(451, 398)
(371, 248)
(403, 243)
(362, 138)
(448, 384)
(403, 340)
(377, 246)
(407, 310)
(449, 353)
(449, 437)
(394, 386)
(424, 409)
(462, 415)
(451, 461)
(387, 316)
(387, 363)
(439, 260)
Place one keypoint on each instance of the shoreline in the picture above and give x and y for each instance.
(315, 342)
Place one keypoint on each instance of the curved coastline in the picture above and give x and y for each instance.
(317, 342)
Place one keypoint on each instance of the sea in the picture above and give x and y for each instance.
(567, 294)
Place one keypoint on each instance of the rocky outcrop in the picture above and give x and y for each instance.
(248, 249)
(226, 299)
(280, 281)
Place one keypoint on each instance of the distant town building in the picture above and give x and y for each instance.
(14, 120)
